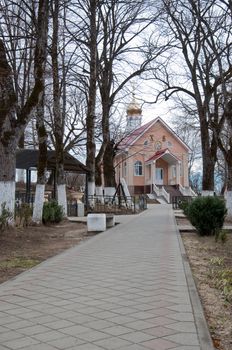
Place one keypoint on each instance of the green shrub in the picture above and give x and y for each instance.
(207, 214)
(221, 236)
(52, 212)
(25, 213)
(184, 205)
(5, 217)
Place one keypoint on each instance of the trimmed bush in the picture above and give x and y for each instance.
(207, 214)
(52, 212)
(184, 205)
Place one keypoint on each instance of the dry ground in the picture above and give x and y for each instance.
(22, 248)
(211, 264)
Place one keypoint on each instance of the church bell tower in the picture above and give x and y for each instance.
(134, 115)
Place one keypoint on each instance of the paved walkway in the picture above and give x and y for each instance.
(123, 289)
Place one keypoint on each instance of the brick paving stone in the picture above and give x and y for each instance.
(137, 337)
(60, 324)
(66, 342)
(159, 344)
(187, 348)
(184, 338)
(10, 335)
(20, 343)
(40, 346)
(112, 343)
(93, 335)
(32, 330)
(117, 330)
(47, 336)
(88, 346)
(75, 330)
(160, 331)
(183, 327)
(124, 289)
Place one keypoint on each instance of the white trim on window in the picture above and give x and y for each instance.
(138, 168)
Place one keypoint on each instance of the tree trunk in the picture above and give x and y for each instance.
(108, 161)
(90, 118)
(58, 117)
(7, 175)
(208, 160)
(7, 137)
(228, 159)
(42, 163)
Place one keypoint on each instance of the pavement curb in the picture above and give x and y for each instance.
(204, 336)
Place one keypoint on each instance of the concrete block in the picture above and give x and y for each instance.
(110, 220)
(96, 222)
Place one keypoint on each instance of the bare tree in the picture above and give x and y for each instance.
(57, 110)
(122, 24)
(202, 33)
(91, 104)
(186, 125)
(12, 120)
(42, 161)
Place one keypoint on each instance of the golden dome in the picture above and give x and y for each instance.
(134, 107)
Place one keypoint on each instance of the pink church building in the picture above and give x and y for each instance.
(151, 158)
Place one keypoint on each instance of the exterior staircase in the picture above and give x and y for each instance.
(173, 190)
(170, 191)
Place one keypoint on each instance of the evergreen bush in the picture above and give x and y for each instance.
(52, 212)
(184, 205)
(207, 214)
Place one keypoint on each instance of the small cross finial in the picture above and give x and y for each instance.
(133, 91)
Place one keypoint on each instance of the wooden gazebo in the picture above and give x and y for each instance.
(27, 159)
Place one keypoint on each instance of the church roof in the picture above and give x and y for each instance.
(130, 139)
(160, 154)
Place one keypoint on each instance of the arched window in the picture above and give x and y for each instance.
(138, 168)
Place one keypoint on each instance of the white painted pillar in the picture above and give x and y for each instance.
(7, 196)
(20, 175)
(62, 198)
(91, 188)
(178, 173)
(38, 204)
(185, 172)
(99, 193)
(228, 198)
(170, 182)
(153, 169)
(91, 192)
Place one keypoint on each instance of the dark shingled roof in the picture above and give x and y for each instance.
(28, 158)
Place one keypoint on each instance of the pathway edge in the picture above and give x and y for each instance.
(205, 339)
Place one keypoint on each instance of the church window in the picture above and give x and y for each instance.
(138, 168)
